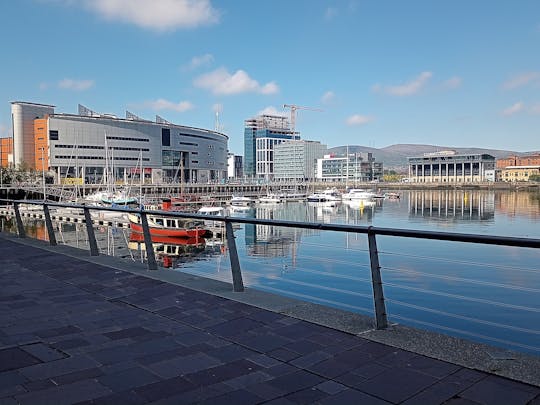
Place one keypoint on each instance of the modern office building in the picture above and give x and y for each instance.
(261, 134)
(85, 146)
(296, 160)
(235, 166)
(353, 167)
(451, 167)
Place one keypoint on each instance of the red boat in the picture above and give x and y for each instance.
(169, 226)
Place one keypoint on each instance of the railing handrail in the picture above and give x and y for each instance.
(381, 320)
(399, 232)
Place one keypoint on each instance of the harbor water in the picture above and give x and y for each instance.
(479, 292)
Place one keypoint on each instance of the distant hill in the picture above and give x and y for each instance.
(395, 156)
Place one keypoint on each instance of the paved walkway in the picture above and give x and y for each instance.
(78, 332)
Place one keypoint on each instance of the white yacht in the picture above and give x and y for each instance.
(358, 194)
(241, 201)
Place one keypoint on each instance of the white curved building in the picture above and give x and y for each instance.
(83, 146)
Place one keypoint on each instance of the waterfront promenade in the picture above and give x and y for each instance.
(103, 332)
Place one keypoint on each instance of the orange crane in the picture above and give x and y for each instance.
(293, 108)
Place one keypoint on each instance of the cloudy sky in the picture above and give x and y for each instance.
(459, 73)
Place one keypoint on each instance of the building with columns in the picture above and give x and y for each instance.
(450, 167)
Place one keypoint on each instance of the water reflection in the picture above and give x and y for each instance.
(169, 252)
(452, 205)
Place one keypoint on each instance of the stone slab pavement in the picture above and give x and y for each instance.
(76, 332)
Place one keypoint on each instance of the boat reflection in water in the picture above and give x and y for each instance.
(169, 251)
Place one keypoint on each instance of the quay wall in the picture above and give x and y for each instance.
(225, 191)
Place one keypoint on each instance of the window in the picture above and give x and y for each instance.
(53, 135)
(165, 137)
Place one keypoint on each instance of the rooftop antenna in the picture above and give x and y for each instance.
(218, 109)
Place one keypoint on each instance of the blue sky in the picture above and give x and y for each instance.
(458, 73)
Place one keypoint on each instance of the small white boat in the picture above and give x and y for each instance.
(330, 194)
(358, 194)
(241, 201)
(215, 211)
(270, 199)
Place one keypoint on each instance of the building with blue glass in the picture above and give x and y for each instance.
(261, 134)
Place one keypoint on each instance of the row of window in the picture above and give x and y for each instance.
(99, 147)
(123, 138)
(99, 158)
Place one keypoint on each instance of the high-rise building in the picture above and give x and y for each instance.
(261, 134)
(297, 160)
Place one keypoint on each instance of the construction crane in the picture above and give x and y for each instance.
(293, 108)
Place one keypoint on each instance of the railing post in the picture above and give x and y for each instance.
(94, 251)
(238, 284)
(49, 225)
(381, 320)
(20, 228)
(150, 256)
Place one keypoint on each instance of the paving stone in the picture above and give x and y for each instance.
(306, 396)
(164, 389)
(65, 394)
(119, 398)
(396, 385)
(77, 376)
(43, 352)
(70, 343)
(58, 367)
(10, 378)
(128, 379)
(54, 332)
(247, 380)
(331, 387)
(329, 368)
(310, 359)
(126, 333)
(351, 396)
(495, 390)
(14, 358)
(283, 354)
(223, 372)
(183, 365)
(295, 381)
(238, 397)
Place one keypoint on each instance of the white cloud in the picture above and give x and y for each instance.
(271, 110)
(521, 80)
(158, 15)
(452, 83)
(198, 61)
(330, 13)
(513, 109)
(535, 109)
(406, 89)
(220, 81)
(328, 97)
(162, 104)
(78, 85)
(358, 119)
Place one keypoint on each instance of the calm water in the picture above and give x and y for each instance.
(485, 293)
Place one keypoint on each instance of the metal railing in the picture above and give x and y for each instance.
(381, 317)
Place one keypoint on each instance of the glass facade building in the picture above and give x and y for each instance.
(261, 135)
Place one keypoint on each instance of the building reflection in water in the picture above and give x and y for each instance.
(518, 203)
(468, 205)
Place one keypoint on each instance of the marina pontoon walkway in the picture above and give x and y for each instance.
(73, 331)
